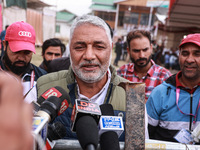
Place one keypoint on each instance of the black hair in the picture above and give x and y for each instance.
(6, 26)
(138, 34)
(53, 42)
(111, 31)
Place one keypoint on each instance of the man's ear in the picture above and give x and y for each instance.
(128, 50)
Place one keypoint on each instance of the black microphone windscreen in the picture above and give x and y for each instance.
(87, 131)
(51, 106)
(109, 141)
(107, 110)
(56, 131)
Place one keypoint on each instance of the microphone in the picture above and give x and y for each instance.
(82, 108)
(56, 131)
(87, 132)
(48, 111)
(110, 128)
(49, 108)
(58, 92)
(84, 120)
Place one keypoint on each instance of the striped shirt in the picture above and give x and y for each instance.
(155, 76)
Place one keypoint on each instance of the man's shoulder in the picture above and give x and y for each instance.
(53, 76)
(38, 70)
(120, 79)
(161, 69)
(126, 67)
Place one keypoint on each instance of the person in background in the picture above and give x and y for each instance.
(143, 68)
(2, 37)
(51, 49)
(59, 64)
(19, 46)
(124, 50)
(167, 58)
(173, 106)
(118, 51)
(15, 114)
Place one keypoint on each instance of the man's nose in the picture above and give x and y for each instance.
(89, 53)
(142, 54)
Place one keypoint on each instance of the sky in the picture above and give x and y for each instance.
(78, 7)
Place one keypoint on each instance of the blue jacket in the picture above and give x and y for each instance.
(164, 117)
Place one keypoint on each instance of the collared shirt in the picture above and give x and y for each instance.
(99, 97)
(155, 76)
(178, 84)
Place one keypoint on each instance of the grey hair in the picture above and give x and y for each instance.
(89, 19)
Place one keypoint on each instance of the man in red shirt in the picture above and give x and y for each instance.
(142, 68)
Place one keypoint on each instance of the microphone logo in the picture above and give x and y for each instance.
(51, 92)
(63, 107)
(88, 106)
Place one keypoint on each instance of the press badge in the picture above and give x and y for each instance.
(184, 136)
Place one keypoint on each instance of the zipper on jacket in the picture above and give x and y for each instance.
(191, 97)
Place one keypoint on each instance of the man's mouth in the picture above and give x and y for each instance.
(90, 67)
(20, 63)
(190, 67)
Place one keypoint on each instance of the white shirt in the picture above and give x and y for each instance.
(99, 97)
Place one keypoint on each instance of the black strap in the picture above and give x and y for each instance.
(111, 86)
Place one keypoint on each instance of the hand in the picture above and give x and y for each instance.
(15, 115)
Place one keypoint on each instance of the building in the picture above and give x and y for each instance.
(34, 12)
(126, 15)
(64, 20)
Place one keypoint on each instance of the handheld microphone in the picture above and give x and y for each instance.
(110, 128)
(49, 108)
(87, 132)
(48, 111)
(58, 92)
(56, 131)
(82, 108)
(84, 120)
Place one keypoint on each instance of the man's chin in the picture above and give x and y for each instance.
(141, 65)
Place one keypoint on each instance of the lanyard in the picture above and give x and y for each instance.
(32, 78)
(177, 98)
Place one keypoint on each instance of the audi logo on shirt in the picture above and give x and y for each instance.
(25, 33)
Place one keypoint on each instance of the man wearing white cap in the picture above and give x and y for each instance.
(173, 106)
(19, 45)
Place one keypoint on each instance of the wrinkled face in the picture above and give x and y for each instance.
(189, 60)
(90, 53)
(17, 61)
(52, 52)
(140, 51)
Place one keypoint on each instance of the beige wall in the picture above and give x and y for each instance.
(13, 14)
(34, 18)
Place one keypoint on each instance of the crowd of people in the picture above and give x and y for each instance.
(172, 100)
